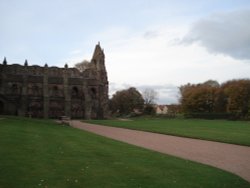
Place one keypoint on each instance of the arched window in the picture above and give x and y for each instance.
(14, 89)
(93, 93)
(74, 92)
(55, 91)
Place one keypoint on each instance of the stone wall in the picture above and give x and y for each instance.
(51, 92)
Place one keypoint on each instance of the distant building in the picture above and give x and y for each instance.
(52, 92)
(161, 109)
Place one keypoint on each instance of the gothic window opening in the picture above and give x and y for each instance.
(55, 91)
(74, 92)
(77, 110)
(93, 93)
(14, 89)
(35, 109)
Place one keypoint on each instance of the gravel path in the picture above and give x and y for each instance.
(229, 157)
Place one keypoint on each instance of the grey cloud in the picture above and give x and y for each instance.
(225, 33)
(150, 34)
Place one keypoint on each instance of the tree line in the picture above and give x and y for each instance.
(210, 100)
(228, 100)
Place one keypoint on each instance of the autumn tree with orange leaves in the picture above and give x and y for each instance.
(230, 97)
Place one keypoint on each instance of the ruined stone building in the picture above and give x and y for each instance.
(52, 92)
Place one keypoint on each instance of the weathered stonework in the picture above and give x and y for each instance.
(52, 92)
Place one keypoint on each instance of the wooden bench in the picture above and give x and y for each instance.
(65, 120)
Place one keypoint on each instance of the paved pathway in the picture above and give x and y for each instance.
(232, 158)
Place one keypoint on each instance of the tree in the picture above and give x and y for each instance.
(126, 101)
(199, 98)
(220, 105)
(231, 98)
(237, 93)
(150, 97)
(82, 66)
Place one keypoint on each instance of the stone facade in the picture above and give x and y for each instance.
(52, 92)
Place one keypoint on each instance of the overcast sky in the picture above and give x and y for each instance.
(158, 44)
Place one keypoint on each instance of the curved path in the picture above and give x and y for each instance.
(229, 157)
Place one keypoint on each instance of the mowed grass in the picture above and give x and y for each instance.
(39, 153)
(235, 132)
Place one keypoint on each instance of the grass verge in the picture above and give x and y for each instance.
(234, 132)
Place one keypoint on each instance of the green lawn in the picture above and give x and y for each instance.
(236, 132)
(38, 153)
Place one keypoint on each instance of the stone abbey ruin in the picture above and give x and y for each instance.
(52, 92)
